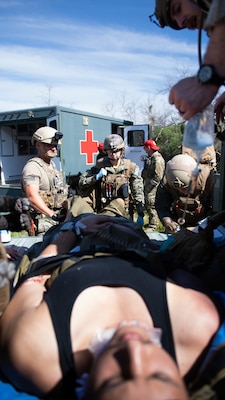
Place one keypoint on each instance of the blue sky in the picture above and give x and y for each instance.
(87, 54)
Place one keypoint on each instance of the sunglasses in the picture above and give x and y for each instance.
(153, 20)
(54, 140)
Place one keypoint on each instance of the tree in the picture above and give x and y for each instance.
(123, 106)
(141, 111)
(46, 94)
(170, 140)
(165, 127)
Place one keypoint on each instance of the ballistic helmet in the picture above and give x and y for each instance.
(179, 170)
(46, 134)
(162, 13)
(113, 142)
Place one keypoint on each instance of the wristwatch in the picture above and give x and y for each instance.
(73, 226)
(207, 75)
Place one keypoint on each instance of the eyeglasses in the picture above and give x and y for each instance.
(153, 20)
(54, 144)
(58, 136)
(114, 151)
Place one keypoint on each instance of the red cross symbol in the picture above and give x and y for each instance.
(89, 147)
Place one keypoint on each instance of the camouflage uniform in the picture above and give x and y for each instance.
(51, 189)
(152, 174)
(78, 206)
(208, 155)
(122, 182)
(170, 202)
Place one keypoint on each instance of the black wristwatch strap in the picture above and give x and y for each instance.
(55, 218)
(207, 74)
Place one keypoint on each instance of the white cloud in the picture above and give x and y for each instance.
(86, 66)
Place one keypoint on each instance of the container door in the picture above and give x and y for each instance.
(54, 123)
(134, 138)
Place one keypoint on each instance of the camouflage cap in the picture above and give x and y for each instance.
(162, 13)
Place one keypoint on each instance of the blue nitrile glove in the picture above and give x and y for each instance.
(100, 174)
(140, 220)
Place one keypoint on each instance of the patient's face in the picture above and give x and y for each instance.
(132, 367)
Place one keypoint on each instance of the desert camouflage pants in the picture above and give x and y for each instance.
(150, 208)
(76, 205)
(43, 224)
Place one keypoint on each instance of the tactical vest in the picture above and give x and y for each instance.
(115, 185)
(195, 210)
(58, 192)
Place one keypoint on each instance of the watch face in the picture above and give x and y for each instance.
(205, 73)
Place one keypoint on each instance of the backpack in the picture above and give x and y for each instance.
(208, 155)
(198, 253)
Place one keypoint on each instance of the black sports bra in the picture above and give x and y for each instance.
(106, 271)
